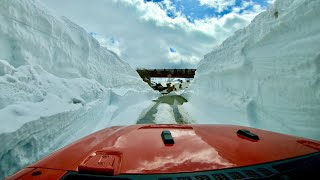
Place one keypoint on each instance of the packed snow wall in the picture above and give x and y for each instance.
(266, 75)
(57, 84)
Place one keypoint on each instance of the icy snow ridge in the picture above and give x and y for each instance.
(31, 35)
(266, 75)
(57, 84)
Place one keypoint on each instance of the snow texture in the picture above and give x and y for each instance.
(266, 75)
(164, 115)
(57, 84)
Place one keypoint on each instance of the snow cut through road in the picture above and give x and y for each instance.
(166, 110)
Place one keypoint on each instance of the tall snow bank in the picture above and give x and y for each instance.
(57, 84)
(266, 75)
(31, 35)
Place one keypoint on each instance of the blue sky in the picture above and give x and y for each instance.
(192, 9)
(160, 33)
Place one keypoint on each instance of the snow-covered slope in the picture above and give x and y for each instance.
(57, 84)
(266, 75)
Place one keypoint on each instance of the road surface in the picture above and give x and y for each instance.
(174, 101)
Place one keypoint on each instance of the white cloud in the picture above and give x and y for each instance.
(246, 4)
(257, 8)
(145, 32)
(177, 58)
(271, 1)
(219, 5)
(111, 43)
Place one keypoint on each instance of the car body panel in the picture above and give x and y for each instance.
(139, 149)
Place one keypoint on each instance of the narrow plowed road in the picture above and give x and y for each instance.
(174, 101)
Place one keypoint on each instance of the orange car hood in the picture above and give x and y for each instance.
(139, 149)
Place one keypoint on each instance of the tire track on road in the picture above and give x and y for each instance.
(174, 101)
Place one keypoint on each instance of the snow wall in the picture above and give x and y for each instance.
(57, 84)
(266, 75)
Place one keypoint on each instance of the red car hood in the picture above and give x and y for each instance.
(139, 149)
